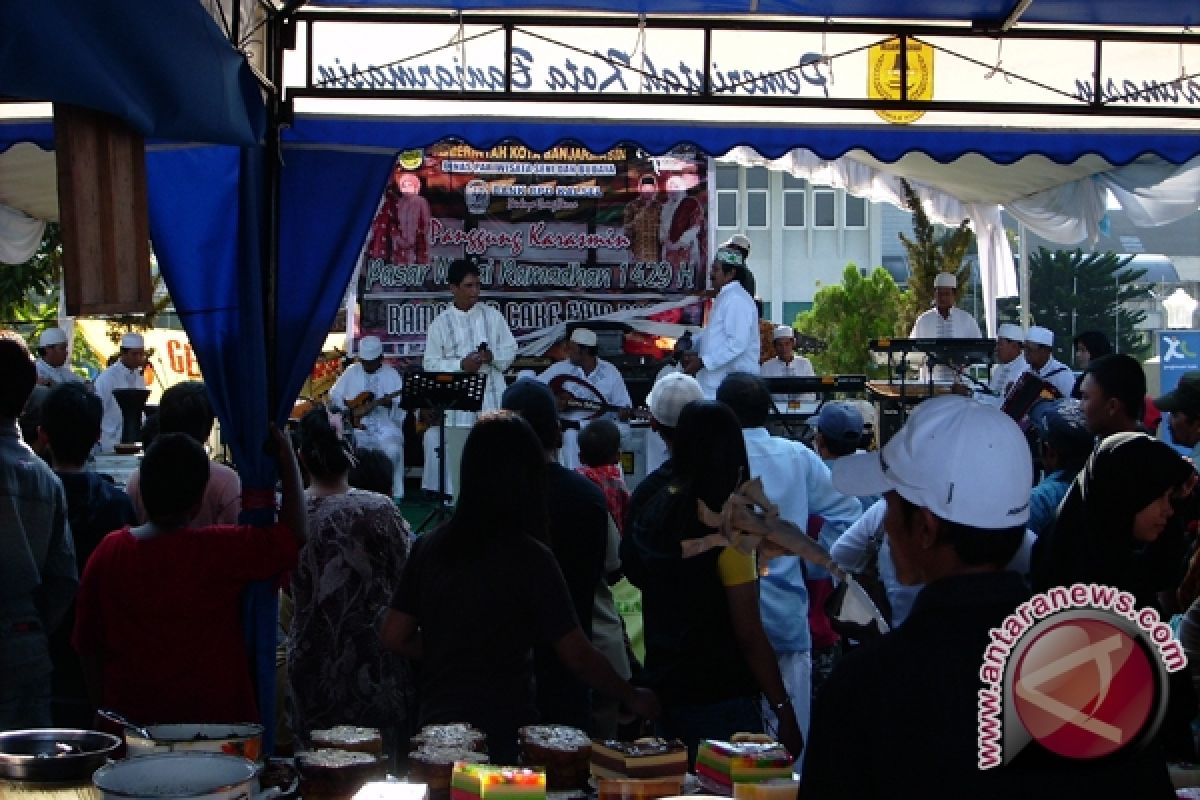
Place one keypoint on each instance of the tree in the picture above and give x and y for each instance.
(845, 317)
(1070, 292)
(22, 285)
(929, 255)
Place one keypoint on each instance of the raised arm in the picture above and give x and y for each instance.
(291, 509)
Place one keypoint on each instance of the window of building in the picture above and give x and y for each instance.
(855, 214)
(757, 197)
(824, 209)
(726, 181)
(795, 196)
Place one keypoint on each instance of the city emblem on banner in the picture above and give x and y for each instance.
(883, 76)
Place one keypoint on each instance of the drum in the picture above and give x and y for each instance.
(1025, 393)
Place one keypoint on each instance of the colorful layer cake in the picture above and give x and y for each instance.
(563, 751)
(637, 788)
(348, 737)
(455, 734)
(641, 758)
(767, 790)
(486, 782)
(336, 774)
(727, 763)
(433, 766)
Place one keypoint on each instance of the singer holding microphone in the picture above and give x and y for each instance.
(125, 373)
(468, 336)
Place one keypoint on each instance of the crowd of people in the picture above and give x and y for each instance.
(505, 614)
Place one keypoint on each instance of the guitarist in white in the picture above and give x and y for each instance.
(368, 393)
(611, 395)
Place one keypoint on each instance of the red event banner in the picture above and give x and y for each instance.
(559, 236)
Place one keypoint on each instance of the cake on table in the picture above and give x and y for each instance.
(723, 764)
(348, 737)
(642, 758)
(433, 765)
(563, 751)
(454, 734)
(330, 774)
(487, 782)
(638, 788)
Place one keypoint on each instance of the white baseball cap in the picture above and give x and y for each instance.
(584, 336)
(670, 394)
(965, 461)
(133, 341)
(945, 280)
(1011, 332)
(1039, 335)
(784, 332)
(52, 336)
(370, 348)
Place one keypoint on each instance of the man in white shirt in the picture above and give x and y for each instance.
(798, 482)
(1010, 365)
(125, 373)
(786, 364)
(583, 363)
(729, 342)
(455, 344)
(52, 368)
(1039, 346)
(944, 321)
(370, 391)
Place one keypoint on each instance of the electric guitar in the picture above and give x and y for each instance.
(364, 403)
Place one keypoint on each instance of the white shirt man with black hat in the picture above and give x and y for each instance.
(944, 320)
(52, 367)
(371, 384)
(900, 716)
(125, 373)
(1039, 349)
(787, 364)
(584, 364)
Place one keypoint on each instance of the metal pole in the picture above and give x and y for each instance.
(1023, 274)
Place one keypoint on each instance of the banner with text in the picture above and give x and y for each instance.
(559, 236)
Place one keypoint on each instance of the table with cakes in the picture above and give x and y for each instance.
(443, 762)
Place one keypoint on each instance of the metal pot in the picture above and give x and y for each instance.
(54, 754)
(195, 776)
(243, 740)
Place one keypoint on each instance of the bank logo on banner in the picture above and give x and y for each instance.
(478, 196)
(883, 76)
(1079, 671)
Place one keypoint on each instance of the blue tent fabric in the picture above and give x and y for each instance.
(163, 67)
(327, 201)
(1060, 12)
(887, 143)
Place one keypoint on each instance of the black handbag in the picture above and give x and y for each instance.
(845, 609)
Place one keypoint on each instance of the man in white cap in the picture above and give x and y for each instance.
(51, 362)
(944, 320)
(125, 373)
(468, 336)
(370, 391)
(583, 363)
(1010, 363)
(786, 364)
(1039, 349)
(729, 342)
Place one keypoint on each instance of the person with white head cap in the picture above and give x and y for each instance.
(584, 364)
(956, 481)
(1039, 350)
(944, 320)
(124, 373)
(370, 390)
(730, 340)
(787, 364)
(52, 367)
(1010, 363)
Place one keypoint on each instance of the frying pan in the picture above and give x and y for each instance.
(54, 754)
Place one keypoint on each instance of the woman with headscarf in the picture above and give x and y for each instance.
(1117, 527)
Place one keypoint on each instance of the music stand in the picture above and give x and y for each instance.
(441, 392)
